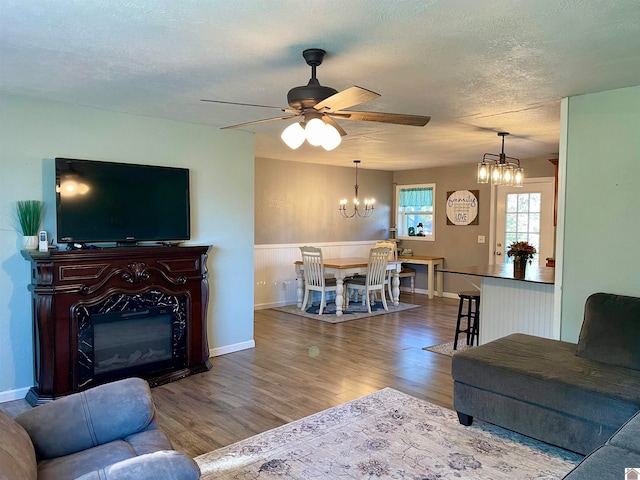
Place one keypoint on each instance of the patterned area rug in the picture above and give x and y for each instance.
(387, 435)
(447, 348)
(354, 312)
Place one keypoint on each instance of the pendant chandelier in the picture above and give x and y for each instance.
(357, 211)
(500, 169)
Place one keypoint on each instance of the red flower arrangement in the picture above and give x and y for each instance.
(522, 251)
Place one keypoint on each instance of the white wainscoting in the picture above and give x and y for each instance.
(275, 274)
(512, 306)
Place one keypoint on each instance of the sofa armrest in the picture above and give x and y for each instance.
(162, 465)
(93, 417)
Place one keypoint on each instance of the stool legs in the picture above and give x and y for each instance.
(472, 316)
(458, 330)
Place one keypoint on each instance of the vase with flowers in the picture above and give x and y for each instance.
(522, 252)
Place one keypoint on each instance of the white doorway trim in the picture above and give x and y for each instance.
(493, 222)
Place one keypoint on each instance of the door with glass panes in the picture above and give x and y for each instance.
(525, 214)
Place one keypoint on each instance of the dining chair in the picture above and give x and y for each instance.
(404, 271)
(373, 280)
(314, 276)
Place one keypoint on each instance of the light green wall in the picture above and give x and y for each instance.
(602, 221)
(222, 179)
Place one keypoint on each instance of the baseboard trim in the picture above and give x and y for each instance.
(264, 306)
(236, 347)
(17, 394)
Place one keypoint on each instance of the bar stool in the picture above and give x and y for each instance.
(472, 316)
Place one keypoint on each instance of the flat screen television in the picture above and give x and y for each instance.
(120, 202)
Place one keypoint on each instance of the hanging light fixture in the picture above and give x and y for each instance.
(500, 169)
(368, 202)
(314, 130)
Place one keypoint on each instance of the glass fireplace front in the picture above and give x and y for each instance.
(132, 339)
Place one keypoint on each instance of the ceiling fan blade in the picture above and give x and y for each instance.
(287, 110)
(396, 118)
(334, 124)
(255, 122)
(346, 98)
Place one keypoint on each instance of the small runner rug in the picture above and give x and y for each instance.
(387, 435)
(447, 348)
(355, 311)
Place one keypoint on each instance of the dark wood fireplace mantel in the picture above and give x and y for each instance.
(65, 282)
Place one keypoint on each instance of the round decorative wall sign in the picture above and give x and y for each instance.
(462, 207)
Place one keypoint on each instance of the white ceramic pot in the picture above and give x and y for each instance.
(30, 242)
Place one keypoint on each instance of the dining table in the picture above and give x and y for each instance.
(345, 267)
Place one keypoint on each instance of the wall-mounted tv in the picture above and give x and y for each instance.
(120, 202)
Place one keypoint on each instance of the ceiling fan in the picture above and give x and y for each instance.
(318, 106)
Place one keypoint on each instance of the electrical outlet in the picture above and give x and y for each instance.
(480, 238)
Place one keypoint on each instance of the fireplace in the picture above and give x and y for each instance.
(105, 314)
(131, 335)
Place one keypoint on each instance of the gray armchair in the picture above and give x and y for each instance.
(104, 433)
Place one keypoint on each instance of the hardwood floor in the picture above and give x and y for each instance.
(302, 366)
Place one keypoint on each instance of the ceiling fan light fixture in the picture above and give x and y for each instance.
(293, 136)
(315, 131)
(332, 138)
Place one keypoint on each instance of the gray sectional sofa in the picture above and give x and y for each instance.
(608, 462)
(572, 396)
(105, 433)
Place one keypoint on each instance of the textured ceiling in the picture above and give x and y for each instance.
(476, 66)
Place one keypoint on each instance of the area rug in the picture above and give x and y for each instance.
(355, 311)
(387, 435)
(447, 348)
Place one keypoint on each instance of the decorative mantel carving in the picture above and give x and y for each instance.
(63, 281)
(136, 272)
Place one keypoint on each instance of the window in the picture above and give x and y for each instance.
(522, 223)
(415, 214)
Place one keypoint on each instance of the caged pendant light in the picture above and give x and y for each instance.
(500, 169)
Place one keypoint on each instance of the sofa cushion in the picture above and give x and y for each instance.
(148, 441)
(547, 372)
(93, 417)
(604, 463)
(610, 332)
(17, 455)
(163, 465)
(80, 463)
(628, 435)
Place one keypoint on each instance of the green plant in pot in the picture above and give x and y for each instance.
(29, 215)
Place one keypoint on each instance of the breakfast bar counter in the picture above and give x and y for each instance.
(534, 273)
(513, 305)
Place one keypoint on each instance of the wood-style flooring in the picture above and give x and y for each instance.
(301, 366)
